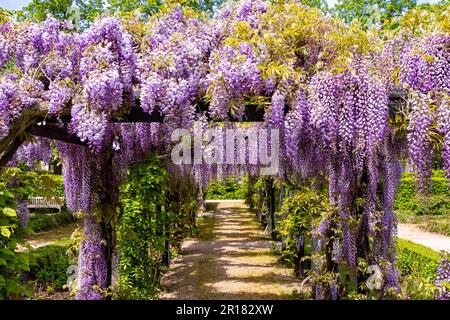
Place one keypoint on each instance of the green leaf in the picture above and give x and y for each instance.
(5, 232)
(9, 212)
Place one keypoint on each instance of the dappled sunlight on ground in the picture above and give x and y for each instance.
(231, 259)
(48, 237)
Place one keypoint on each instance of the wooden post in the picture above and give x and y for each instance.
(282, 195)
(108, 204)
(271, 196)
(299, 254)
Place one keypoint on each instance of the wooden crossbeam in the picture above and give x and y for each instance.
(252, 112)
(56, 129)
(11, 150)
(54, 132)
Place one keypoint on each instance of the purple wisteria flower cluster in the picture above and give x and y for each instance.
(336, 126)
(425, 73)
(173, 65)
(39, 149)
(442, 280)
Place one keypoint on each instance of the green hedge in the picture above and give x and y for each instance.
(42, 221)
(48, 266)
(431, 205)
(406, 195)
(416, 259)
(229, 188)
(49, 185)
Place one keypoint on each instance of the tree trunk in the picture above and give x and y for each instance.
(299, 254)
(271, 207)
(108, 203)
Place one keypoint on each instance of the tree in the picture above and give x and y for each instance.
(147, 7)
(321, 4)
(39, 9)
(371, 12)
(90, 9)
(83, 12)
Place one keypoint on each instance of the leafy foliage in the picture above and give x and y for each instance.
(229, 188)
(12, 264)
(407, 197)
(81, 13)
(47, 221)
(39, 10)
(146, 229)
(48, 266)
(299, 213)
(142, 232)
(414, 258)
(373, 11)
(417, 265)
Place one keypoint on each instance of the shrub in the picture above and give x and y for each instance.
(418, 266)
(42, 222)
(407, 190)
(229, 188)
(48, 266)
(48, 185)
(12, 264)
(298, 214)
(142, 231)
(415, 259)
(433, 205)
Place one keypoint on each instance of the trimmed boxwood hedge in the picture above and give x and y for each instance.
(413, 258)
(229, 188)
(407, 190)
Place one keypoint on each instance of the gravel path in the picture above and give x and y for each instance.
(45, 238)
(413, 233)
(230, 259)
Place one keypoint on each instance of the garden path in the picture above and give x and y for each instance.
(45, 238)
(231, 258)
(431, 240)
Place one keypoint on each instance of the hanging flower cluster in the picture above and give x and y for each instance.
(234, 75)
(442, 280)
(425, 73)
(333, 81)
(40, 149)
(172, 66)
(106, 70)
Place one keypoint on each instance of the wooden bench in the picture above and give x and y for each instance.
(43, 202)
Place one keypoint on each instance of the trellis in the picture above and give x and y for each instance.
(34, 121)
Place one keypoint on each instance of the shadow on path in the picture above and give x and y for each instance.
(231, 259)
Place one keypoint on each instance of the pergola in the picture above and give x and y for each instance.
(34, 121)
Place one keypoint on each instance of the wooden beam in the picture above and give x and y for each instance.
(26, 122)
(28, 117)
(136, 114)
(252, 112)
(11, 150)
(54, 132)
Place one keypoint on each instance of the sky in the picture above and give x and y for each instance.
(18, 4)
(333, 2)
(13, 4)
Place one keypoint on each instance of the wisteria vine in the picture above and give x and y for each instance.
(336, 95)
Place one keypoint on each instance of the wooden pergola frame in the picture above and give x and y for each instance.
(34, 121)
